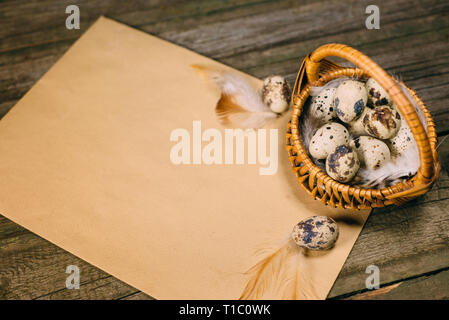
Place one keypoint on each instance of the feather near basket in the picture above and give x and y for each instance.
(316, 71)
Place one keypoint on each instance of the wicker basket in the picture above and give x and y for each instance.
(316, 71)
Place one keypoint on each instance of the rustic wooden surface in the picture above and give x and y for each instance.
(410, 245)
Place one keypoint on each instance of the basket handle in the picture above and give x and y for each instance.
(312, 65)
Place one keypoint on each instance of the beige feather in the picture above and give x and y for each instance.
(279, 276)
(240, 104)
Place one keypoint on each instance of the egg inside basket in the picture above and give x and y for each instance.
(357, 137)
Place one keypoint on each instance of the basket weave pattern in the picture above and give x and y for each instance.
(317, 71)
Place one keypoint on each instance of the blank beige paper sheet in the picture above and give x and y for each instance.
(85, 163)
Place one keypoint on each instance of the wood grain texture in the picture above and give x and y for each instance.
(33, 268)
(262, 37)
(426, 287)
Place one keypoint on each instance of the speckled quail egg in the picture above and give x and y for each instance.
(402, 141)
(316, 233)
(276, 93)
(327, 138)
(322, 107)
(377, 95)
(372, 153)
(356, 127)
(342, 165)
(382, 122)
(350, 99)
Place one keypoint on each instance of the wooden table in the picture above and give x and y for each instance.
(410, 245)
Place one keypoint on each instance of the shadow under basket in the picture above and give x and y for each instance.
(316, 71)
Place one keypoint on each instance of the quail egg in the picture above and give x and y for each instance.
(342, 165)
(377, 95)
(276, 93)
(322, 107)
(402, 141)
(350, 99)
(316, 233)
(382, 122)
(356, 127)
(372, 153)
(327, 138)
